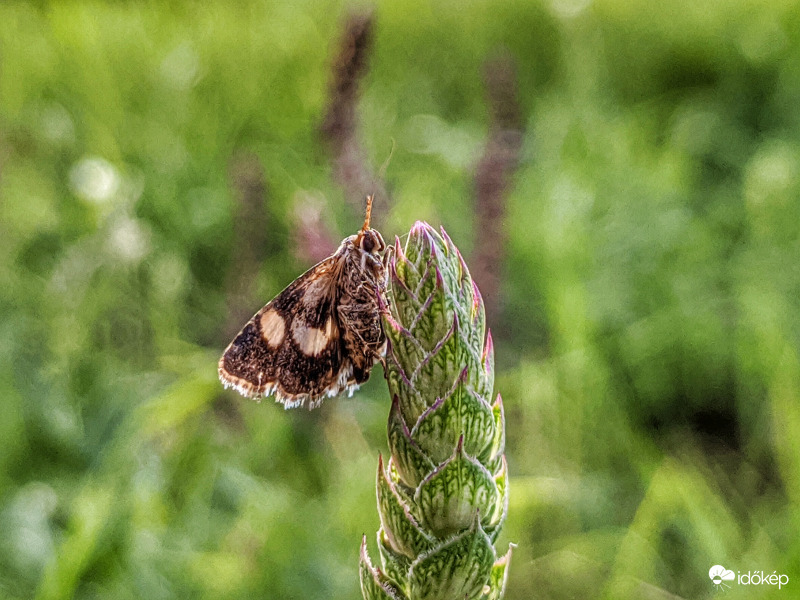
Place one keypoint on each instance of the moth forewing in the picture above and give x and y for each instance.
(321, 335)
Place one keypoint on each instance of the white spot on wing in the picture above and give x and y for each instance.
(273, 328)
(312, 340)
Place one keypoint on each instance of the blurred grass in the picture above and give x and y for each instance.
(648, 348)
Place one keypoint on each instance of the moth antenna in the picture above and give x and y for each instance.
(380, 176)
(369, 213)
(371, 196)
(385, 165)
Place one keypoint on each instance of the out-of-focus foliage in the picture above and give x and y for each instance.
(648, 344)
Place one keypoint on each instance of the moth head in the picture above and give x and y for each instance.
(371, 242)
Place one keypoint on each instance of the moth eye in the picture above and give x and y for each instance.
(372, 242)
(368, 242)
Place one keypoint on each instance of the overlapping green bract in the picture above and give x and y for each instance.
(443, 494)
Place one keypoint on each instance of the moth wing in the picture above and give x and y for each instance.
(292, 347)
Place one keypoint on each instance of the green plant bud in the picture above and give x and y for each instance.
(443, 493)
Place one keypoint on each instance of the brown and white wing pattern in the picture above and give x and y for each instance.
(320, 336)
(292, 348)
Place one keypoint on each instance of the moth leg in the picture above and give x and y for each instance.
(382, 355)
(387, 256)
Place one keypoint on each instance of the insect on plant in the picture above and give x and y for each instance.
(321, 335)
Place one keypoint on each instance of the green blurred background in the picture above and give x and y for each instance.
(646, 319)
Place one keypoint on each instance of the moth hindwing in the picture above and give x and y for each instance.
(321, 335)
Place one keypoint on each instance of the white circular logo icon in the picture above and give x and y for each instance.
(719, 575)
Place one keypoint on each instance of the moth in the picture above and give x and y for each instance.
(320, 336)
